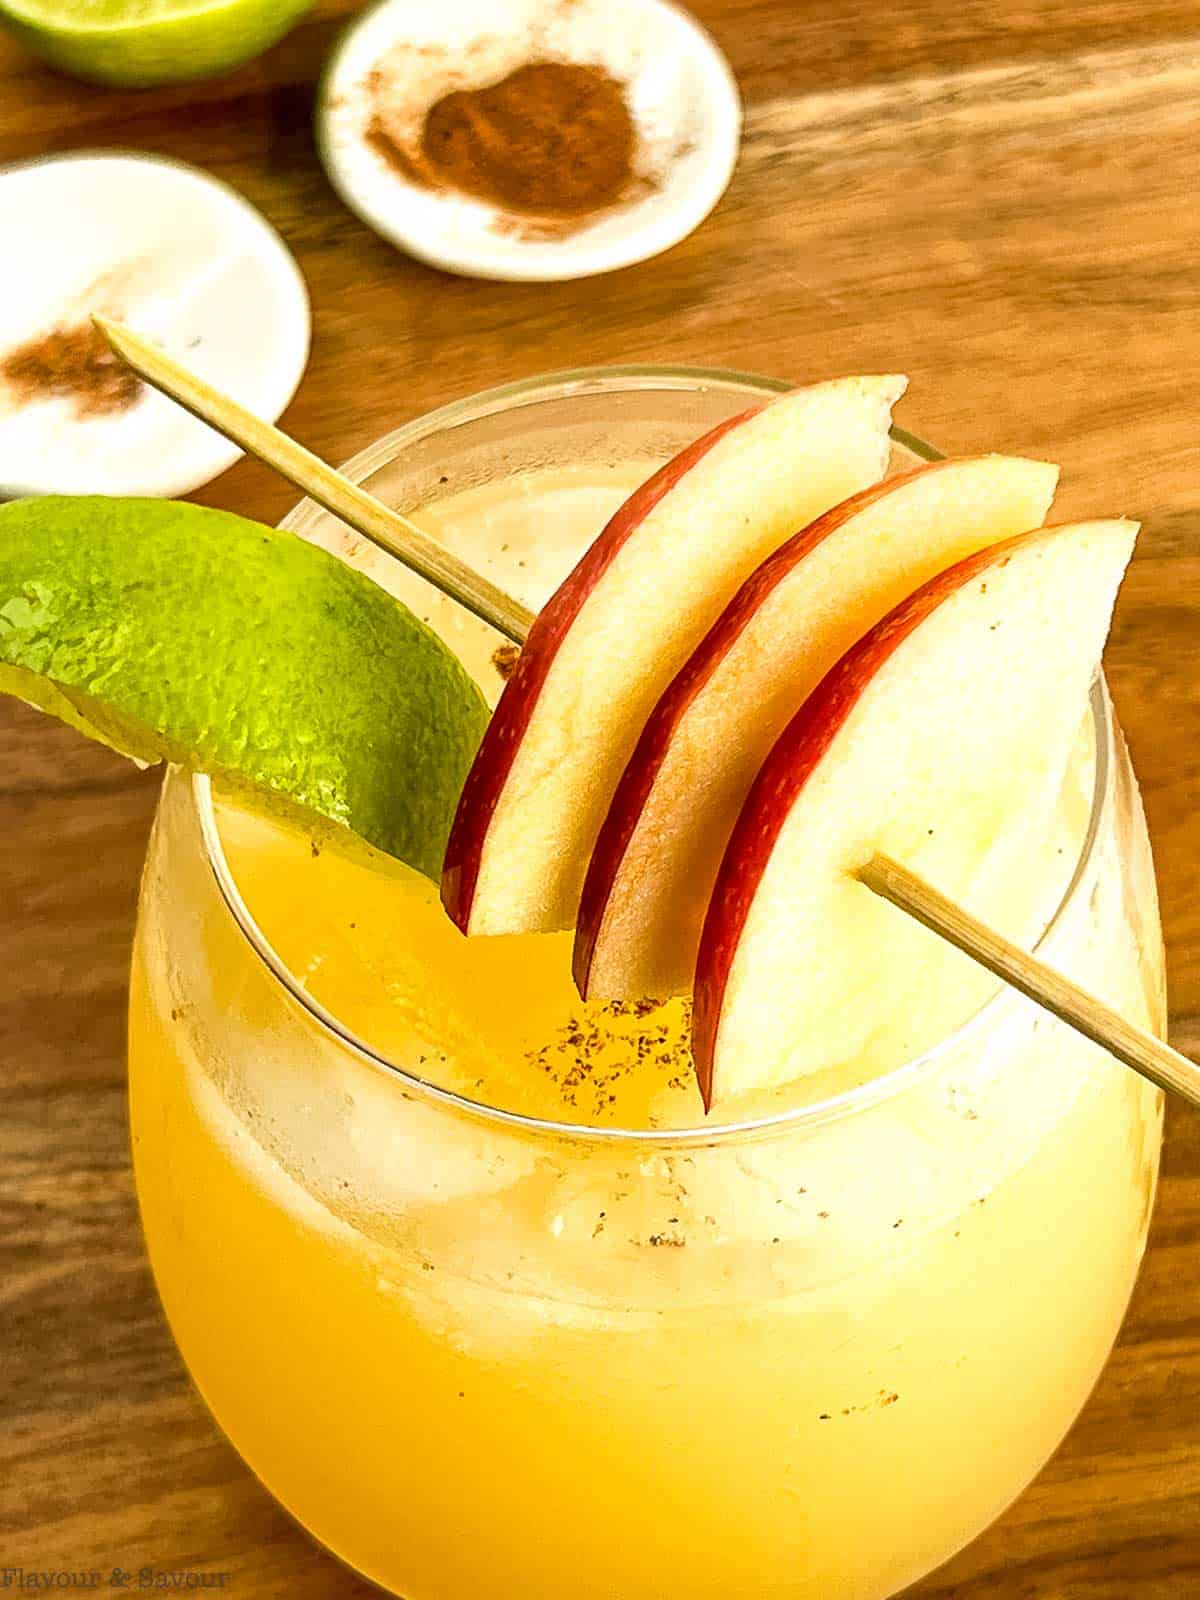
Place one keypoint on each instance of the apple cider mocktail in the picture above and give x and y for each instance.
(474, 1287)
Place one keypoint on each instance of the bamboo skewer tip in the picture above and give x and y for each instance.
(1032, 977)
(390, 530)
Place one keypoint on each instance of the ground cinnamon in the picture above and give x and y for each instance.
(552, 139)
(74, 363)
(504, 659)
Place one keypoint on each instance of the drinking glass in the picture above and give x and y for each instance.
(479, 1353)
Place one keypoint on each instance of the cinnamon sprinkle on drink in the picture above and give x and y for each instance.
(504, 659)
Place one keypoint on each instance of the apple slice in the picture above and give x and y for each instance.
(618, 629)
(931, 739)
(657, 854)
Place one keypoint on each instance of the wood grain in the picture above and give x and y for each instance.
(996, 198)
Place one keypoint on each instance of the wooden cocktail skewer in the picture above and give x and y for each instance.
(362, 511)
(404, 540)
(1054, 993)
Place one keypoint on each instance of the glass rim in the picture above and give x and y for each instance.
(846, 1102)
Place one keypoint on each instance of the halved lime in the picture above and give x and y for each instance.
(137, 43)
(172, 632)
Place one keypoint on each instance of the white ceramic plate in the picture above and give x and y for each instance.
(181, 258)
(681, 91)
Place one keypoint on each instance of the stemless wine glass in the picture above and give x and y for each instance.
(483, 1354)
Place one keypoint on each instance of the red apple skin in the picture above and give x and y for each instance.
(793, 760)
(640, 775)
(494, 758)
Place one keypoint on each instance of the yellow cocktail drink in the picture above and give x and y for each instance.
(467, 1278)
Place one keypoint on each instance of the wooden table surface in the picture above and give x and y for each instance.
(1000, 200)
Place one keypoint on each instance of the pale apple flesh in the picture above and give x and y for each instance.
(619, 628)
(930, 740)
(656, 858)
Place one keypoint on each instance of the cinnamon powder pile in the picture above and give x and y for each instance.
(553, 139)
(74, 363)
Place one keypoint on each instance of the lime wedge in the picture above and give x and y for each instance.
(176, 633)
(137, 43)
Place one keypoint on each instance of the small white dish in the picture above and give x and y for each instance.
(181, 258)
(681, 92)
